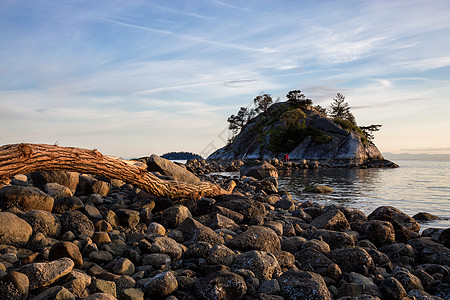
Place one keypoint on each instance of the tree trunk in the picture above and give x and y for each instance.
(24, 158)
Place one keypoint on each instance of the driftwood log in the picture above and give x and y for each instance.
(24, 158)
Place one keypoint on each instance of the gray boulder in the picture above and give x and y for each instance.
(168, 168)
(43, 274)
(259, 171)
(263, 264)
(256, 238)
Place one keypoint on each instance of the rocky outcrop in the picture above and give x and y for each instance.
(168, 168)
(340, 148)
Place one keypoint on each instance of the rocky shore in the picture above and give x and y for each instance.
(65, 235)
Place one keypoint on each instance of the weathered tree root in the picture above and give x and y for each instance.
(24, 158)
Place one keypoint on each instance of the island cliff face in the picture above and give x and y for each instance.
(336, 147)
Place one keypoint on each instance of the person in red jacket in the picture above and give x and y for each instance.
(286, 157)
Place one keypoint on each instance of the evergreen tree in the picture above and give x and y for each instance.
(262, 102)
(340, 109)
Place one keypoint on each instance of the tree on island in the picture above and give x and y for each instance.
(340, 109)
(263, 102)
(368, 131)
(238, 121)
(298, 98)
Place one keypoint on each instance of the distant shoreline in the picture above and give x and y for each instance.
(418, 156)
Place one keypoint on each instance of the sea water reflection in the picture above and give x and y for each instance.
(416, 186)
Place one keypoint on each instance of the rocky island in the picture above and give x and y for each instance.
(71, 235)
(303, 132)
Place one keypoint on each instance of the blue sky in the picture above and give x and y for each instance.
(131, 78)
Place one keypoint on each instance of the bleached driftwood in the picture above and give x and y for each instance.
(24, 158)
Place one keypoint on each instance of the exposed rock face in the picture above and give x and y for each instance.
(168, 168)
(343, 148)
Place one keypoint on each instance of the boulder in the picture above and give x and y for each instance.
(256, 238)
(76, 222)
(193, 231)
(167, 246)
(430, 251)
(408, 281)
(56, 190)
(247, 207)
(43, 274)
(55, 293)
(335, 239)
(66, 249)
(14, 285)
(312, 257)
(221, 255)
(25, 198)
(395, 216)
(381, 233)
(67, 204)
(352, 259)
(318, 189)
(175, 215)
(64, 178)
(221, 285)
(424, 216)
(391, 288)
(14, 231)
(168, 168)
(259, 171)
(128, 218)
(299, 285)
(161, 285)
(44, 222)
(332, 220)
(263, 264)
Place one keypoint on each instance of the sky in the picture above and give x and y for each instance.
(131, 78)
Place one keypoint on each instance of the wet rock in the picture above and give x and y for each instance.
(25, 198)
(424, 216)
(431, 252)
(263, 264)
(193, 231)
(167, 246)
(318, 189)
(352, 259)
(127, 217)
(67, 204)
(331, 220)
(380, 233)
(14, 285)
(260, 171)
(256, 238)
(77, 222)
(221, 285)
(43, 274)
(161, 285)
(14, 231)
(66, 249)
(168, 168)
(44, 222)
(395, 216)
(173, 216)
(391, 288)
(303, 285)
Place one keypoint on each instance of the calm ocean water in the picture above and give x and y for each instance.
(417, 186)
